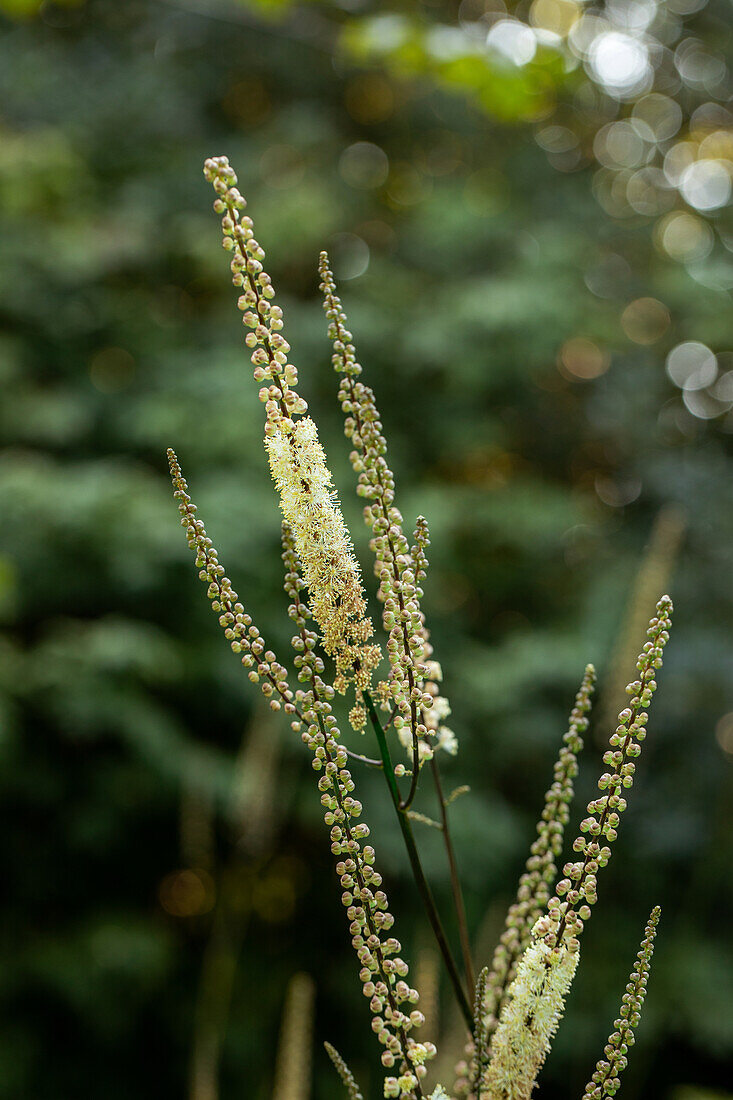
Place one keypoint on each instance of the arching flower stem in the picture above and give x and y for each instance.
(455, 881)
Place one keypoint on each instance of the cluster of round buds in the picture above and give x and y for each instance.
(263, 319)
(240, 631)
(534, 885)
(398, 583)
(605, 1080)
(440, 736)
(383, 972)
(576, 891)
(400, 594)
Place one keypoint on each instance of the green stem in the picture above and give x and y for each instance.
(417, 871)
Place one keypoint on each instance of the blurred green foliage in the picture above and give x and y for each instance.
(472, 273)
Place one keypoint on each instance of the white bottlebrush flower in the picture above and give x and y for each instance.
(529, 1020)
(324, 549)
(447, 740)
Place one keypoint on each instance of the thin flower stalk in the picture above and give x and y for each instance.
(534, 886)
(576, 893)
(605, 1080)
(344, 1073)
(423, 886)
(264, 320)
(454, 878)
(383, 971)
(239, 630)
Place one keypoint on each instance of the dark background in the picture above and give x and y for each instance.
(162, 836)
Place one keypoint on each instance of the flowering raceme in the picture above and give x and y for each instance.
(522, 1039)
(330, 570)
(519, 999)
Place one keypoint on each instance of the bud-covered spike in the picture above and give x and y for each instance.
(605, 1080)
(534, 885)
(344, 1073)
(568, 911)
(239, 630)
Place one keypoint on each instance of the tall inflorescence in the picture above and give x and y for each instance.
(330, 570)
(411, 689)
(297, 459)
(520, 999)
(383, 972)
(533, 891)
(605, 1080)
(263, 319)
(522, 1040)
(344, 1073)
(576, 891)
(534, 886)
(240, 631)
(555, 937)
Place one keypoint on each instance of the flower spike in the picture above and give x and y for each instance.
(344, 1073)
(565, 918)
(605, 1080)
(330, 570)
(239, 630)
(534, 885)
(264, 320)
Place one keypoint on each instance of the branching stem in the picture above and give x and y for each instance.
(417, 870)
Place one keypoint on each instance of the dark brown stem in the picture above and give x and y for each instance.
(455, 883)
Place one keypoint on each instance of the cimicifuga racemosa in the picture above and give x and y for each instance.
(297, 460)
(383, 972)
(412, 685)
(556, 935)
(532, 894)
(605, 1081)
(519, 999)
(576, 892)
(344, 1073)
